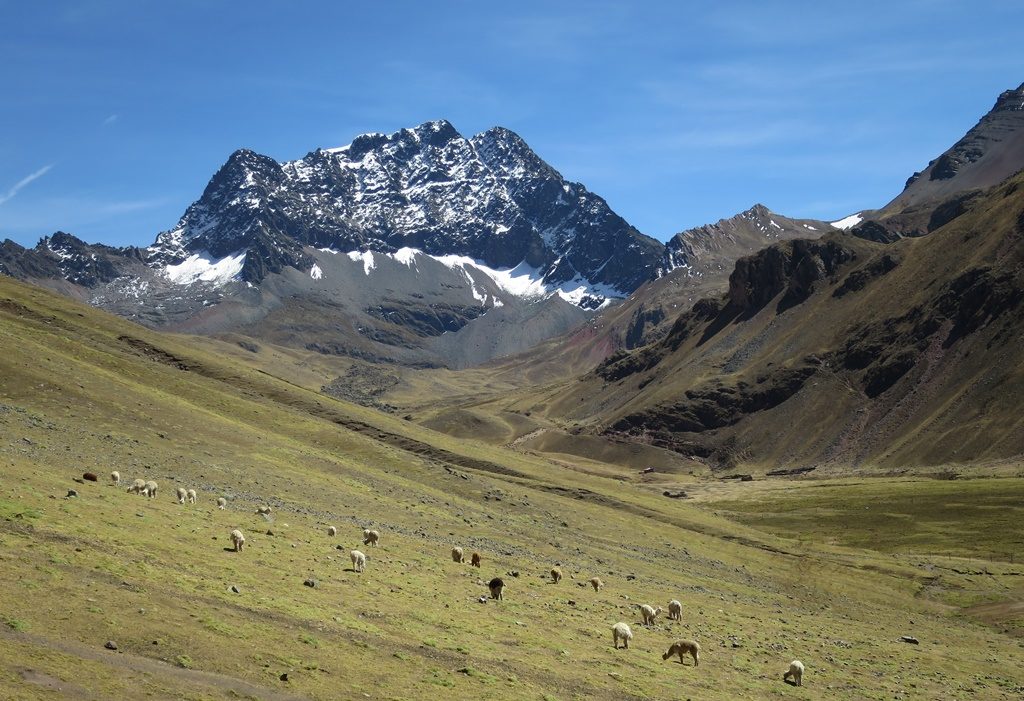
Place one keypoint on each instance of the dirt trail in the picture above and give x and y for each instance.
(529, 436)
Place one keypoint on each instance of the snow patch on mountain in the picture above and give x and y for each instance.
(848, 222)
(203, 267)
(316, 272)
(406, 256)
(522, 280)
(366, 257)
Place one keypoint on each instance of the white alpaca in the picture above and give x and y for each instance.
(556, 575)
(457, 555)
(237, 539)
(621, 631)
(265, 510)
(138, 487)
(370, 537)
(222, 503)
(332, 531)
(192, 496)
(596, 583)
(150, 490)
(649, 614)
(796, 670)
(675, 611)
(358, 560)
(182, 494)
(115, 477)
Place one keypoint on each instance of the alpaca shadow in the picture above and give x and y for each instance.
(790, 682)
(230, 550)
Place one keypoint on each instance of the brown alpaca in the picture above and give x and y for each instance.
(684, 647)
(556, 575)
(475, 560)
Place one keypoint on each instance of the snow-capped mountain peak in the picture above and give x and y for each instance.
(489, 198)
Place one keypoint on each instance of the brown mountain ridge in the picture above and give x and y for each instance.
(838, 352)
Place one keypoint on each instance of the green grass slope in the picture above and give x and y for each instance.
(83, 391)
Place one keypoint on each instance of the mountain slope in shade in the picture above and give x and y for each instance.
(838, 352)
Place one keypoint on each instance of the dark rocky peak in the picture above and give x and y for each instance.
(713, 246)
(244, 170)
(758, 213)
(362, 145)
(22, 263)
(61, 242)
(80, 262)
(1010, 100)
(508, 155)
(435, 133)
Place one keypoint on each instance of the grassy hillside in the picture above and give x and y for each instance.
(83, 391)
(840, 353)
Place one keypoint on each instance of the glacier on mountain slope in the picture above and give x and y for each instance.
(202, 267)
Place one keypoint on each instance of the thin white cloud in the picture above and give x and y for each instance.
(110, 120)
(23, 182)
(129, 206)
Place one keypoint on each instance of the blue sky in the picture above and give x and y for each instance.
(115, 114)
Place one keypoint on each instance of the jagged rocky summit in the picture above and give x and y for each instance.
(489, 198)
(396, 239)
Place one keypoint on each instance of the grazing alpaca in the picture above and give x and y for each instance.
(675, 611)
(358, 560)
(621, 631)
(796, 670)
(649, 614)
(684, 647)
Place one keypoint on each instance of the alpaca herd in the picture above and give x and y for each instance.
(621, 631)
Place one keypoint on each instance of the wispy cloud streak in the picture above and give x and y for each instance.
(23, 182)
